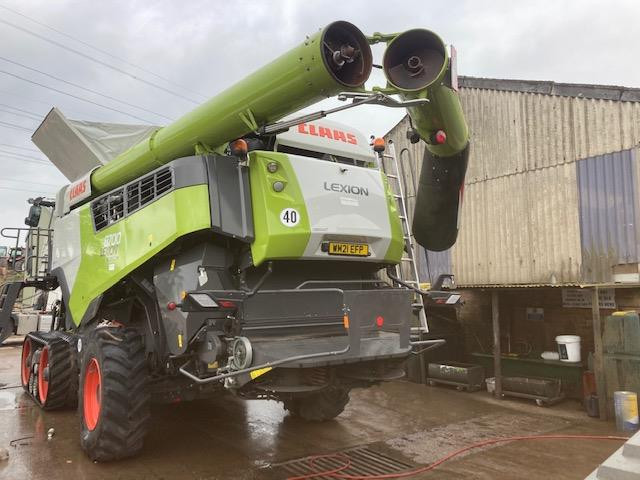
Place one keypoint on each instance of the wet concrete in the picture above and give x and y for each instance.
(227, 438)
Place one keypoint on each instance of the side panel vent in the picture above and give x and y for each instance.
(108, 209)
(113, 206)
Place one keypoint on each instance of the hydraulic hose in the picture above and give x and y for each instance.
(336, 472)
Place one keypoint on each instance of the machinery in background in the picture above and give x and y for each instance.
(27, 272)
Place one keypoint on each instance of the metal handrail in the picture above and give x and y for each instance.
(429, 344)
(36, 233)
(346, 282)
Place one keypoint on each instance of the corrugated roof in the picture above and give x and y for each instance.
(520, 218)
(515, 132)
(575, 90)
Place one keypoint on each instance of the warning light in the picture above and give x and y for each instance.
(439, 137)
(379, 145)
(226, 304)
(345, 321)
(239, 148)
(171, 305)
(379, 321)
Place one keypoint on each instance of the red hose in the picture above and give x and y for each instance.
(335, 473)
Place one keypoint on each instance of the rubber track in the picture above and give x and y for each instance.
(63, 373)
(63, 376)
(318, 407)
(124, 416)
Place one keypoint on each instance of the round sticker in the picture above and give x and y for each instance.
(289, 217)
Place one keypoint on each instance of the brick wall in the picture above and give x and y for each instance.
(539, 335)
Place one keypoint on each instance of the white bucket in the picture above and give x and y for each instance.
(626, 407)
(569, 348)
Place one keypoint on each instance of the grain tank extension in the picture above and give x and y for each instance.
(234, 251)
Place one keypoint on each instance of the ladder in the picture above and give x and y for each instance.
(396, 179)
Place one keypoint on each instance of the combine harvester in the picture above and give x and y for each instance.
(234, 251)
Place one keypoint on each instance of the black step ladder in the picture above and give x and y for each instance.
(396, 180)
(8, 295)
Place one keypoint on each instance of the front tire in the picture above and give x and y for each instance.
(113, 397)
(320, 406)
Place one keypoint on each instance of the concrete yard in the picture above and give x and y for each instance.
(227, 438)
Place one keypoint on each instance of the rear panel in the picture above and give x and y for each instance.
(321, 203)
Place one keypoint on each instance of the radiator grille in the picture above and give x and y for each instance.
(112, 207)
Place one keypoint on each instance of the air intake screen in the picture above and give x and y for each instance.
(112, 207)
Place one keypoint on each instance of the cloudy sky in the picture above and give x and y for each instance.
(158, 59)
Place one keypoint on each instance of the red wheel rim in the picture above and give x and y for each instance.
(25, 369)
(43, 384)
(91, 394)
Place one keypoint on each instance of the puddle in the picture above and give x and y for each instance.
(8, 400)
(429, 445)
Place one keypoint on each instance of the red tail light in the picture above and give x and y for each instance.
(440, 137)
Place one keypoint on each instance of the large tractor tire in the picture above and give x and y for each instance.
(113, 397)
(320, 406)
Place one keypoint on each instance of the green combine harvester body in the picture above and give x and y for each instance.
(236, 251)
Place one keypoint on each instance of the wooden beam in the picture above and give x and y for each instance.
(598, 359)
(497, 364)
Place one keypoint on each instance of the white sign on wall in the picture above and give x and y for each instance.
(581, 298)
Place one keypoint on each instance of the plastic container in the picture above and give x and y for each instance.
(550, 355)
(569, 348)
(625, 404)
(491, 384)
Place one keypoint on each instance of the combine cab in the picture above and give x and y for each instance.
(232, 251)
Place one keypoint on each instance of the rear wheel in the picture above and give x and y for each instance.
(113, 397)
(320, 406)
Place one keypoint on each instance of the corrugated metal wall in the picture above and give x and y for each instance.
(520, 217)
(609, 223)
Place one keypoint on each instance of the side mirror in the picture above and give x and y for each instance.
(34, 216)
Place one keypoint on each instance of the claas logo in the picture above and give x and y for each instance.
(330, 133)
(77, 189)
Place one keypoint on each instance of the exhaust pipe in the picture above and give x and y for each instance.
(417, 65)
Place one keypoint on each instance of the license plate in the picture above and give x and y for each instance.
(351, 249)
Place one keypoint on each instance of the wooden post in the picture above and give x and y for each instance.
(598, 359)
(497, 364)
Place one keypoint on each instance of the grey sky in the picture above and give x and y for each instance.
(208, 45)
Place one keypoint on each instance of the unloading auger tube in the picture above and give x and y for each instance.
(418, 66)
(336, 59)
